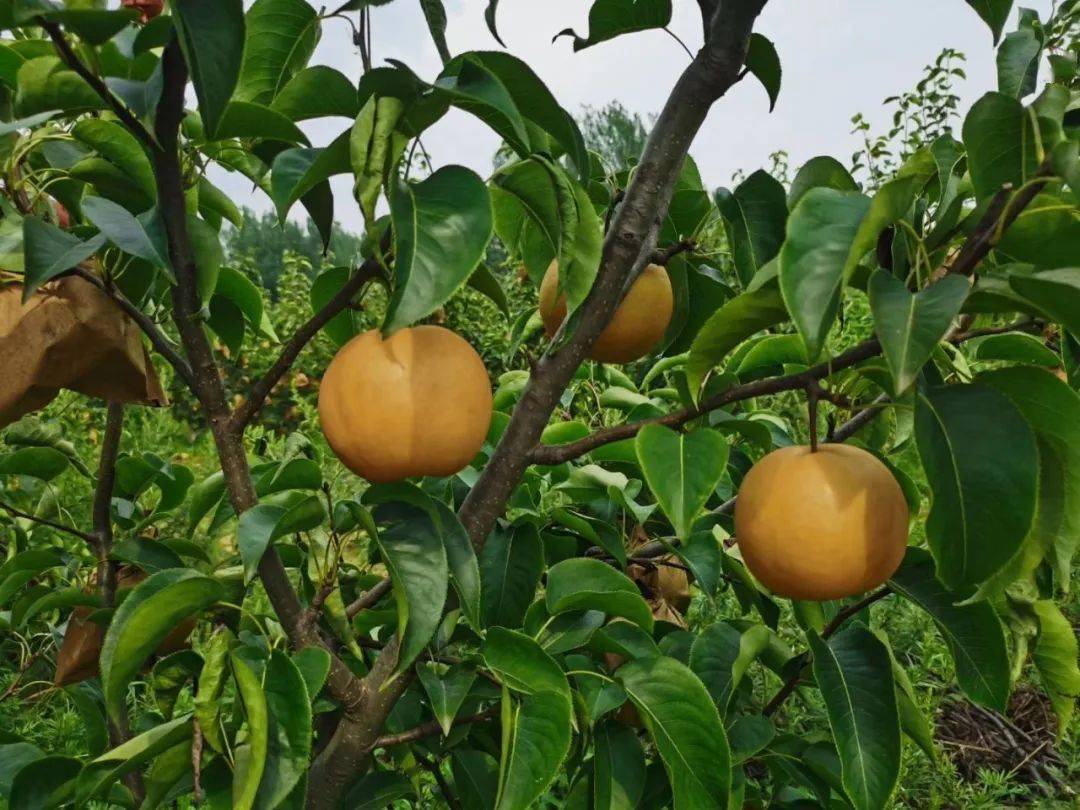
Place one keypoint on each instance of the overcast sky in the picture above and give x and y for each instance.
(839, 57)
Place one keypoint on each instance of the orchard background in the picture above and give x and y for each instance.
(201, 606)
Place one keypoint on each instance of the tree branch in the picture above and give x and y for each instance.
(1004, 209)
(432, 728)
(628, 246)
(208, 385)
(368, 271)
(662, 257)
(106, 482)
(157, 338)
(60, 527)
(557, 454)
(369, 598)
(72, 60)
(830, 629)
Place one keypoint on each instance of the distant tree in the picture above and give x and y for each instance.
(616, 133)
(266, 243)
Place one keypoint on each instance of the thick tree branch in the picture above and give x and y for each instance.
(432, 728)
(208, 386)
(368, 271)
(72, 60)
(157, 338)
(830, 630)
(628, 247)
(60, 527)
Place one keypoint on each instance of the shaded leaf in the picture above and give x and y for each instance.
(854, 672)
(211, 34)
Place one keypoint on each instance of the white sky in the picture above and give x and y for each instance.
(839, 57)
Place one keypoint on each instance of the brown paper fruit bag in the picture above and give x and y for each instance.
(70, 335)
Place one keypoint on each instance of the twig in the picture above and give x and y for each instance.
(369, 598)
(256, 398)
(72, 60)
(431, 728)
(557, 454)
(616, 198)
(432, 767)
(153, 333)
(662, 257)
(60, 527)
(830, 629)
(196, 761)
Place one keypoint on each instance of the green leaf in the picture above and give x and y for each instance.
(211, 34)
(14, 756)
(1054, 657)
(242, 291)
(854, 672)
(587, 584)
(612, 18)
(536, 739)
(820, 233)
(151, 611)
(763, 61)
(740, 318)
(618, 768)
(1052, 410)
(820, 172)
(442, 226)
(686, 728)
(1000, 144)
(535, 214)
(245, 119)
(435, 15)
(44, 783)
(289, 731)
(981, 463)
(754, 216)
(511, 563)
(208, 255)
(1046, 234)
(262, 524)
(536, 103)
(1056, 292)
(415, 557)
(377, 790)
(463, 566)
(682, 469)
(94, 26)
(250, 756)
(972, 632)
(1015, 347)
(38, 462)
(487, 284)
(281, 37)
(476, 777)
(995, 13)
(375, 147)
(118, 146)
(447, 690)
(521, 664)
(100, 773)
(297, 171)
(125, 231)
(1018, 62)
(489, 17)
(910, 325)
(891, 204)
(51, 251)
(317, 92)
(721, 656)
(211, 684)
(347, 324)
